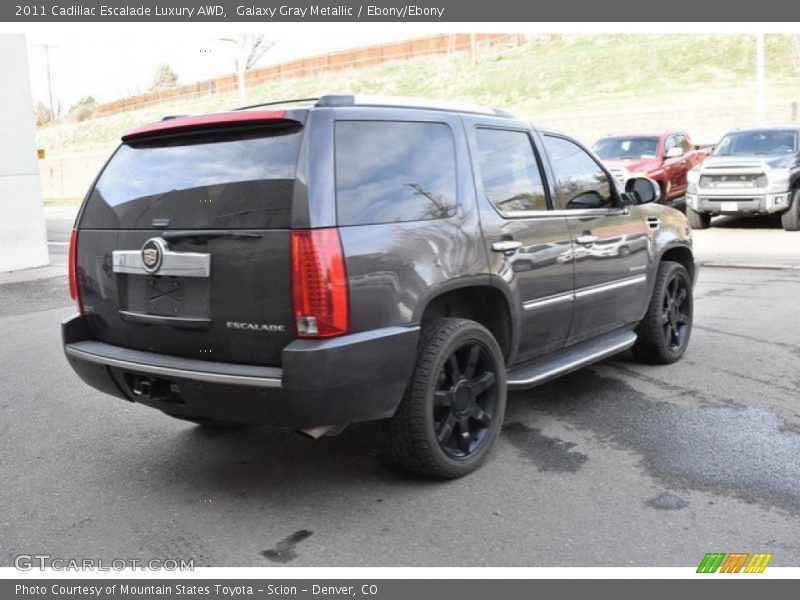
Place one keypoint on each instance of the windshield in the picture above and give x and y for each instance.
(630, 147)
(757, 143)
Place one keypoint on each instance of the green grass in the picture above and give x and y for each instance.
(547, 75)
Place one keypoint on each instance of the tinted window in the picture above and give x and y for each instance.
(394, 171)
(669, 143)
(626, 147)
(581, 182)
(509, 170)
(232, 180)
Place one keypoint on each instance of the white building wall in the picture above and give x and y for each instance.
(23, 237)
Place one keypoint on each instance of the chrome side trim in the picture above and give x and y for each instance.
(573, 365)
(174, 264)
(583, 292)
(607, 287)
(548, 300)
(266, 382)
(560, 213)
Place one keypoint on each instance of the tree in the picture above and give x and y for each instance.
(164, 78)
(254, 47)
(84, 109)
(250, 50)
(43, 116)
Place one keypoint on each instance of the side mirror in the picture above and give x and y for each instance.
(674, 152)
(643, 190)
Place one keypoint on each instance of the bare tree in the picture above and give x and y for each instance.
(43, 116)
(250, 50)
(255, 47)
(164, 78)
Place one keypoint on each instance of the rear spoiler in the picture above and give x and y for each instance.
(239, 118)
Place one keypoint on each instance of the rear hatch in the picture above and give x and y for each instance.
(183, 244)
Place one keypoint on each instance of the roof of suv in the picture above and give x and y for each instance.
(250, 114)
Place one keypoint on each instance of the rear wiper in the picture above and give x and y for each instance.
(202, 236)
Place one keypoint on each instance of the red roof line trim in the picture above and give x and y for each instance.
(203, 121)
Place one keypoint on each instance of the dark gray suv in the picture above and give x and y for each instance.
(340, 260)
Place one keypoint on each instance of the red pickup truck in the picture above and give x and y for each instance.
(665, 156)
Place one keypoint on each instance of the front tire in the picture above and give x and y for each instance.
(697, 220)
(663, 334)
(454, 406)
(791, 218)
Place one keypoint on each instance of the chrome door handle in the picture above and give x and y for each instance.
(586, 240)
(506, 246)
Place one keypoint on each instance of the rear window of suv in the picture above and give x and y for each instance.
(390, 171)
(207, 181)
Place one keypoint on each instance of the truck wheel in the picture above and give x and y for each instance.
(665, 330)
(697, 220)
(791, 218)
(454, 406)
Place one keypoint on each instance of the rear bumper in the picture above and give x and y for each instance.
(755, 204)
(358, 377)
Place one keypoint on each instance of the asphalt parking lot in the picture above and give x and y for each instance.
(615, 465)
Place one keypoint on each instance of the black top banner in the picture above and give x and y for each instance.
(487, 11)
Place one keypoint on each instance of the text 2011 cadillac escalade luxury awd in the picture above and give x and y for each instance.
(345, 260)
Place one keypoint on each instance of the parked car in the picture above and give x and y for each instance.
(750, 172)
(664, 156)
(349, 260)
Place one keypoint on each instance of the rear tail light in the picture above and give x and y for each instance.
(73, 269)
(319, 284)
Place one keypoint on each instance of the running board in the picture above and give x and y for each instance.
(549, 367)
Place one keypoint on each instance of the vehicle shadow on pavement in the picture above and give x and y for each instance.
(757, 222)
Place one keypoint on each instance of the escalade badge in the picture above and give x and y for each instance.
(153, 254)
(255, 327)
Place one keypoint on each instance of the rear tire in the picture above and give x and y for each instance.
(791, 218)
(454, 406)
(697, 220)
(663, 334)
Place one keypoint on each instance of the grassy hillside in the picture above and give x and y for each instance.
(549, 75)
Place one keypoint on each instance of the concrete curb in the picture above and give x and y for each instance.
(35, 274)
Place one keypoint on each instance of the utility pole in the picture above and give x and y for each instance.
(761, 109)
(49, 80)
(241, 57)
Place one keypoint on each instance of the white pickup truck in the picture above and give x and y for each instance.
(750, 172)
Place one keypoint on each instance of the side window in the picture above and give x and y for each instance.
(510, 173)
(390, 171)
(686, 144)
(581, 182)
(669, 143)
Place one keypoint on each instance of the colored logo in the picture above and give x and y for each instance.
(735, 562)
(152, 254)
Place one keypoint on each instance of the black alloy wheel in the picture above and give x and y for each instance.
(465, 400)
(677, 311)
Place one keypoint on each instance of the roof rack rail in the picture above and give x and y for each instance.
(276, 103)
(337, 100)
